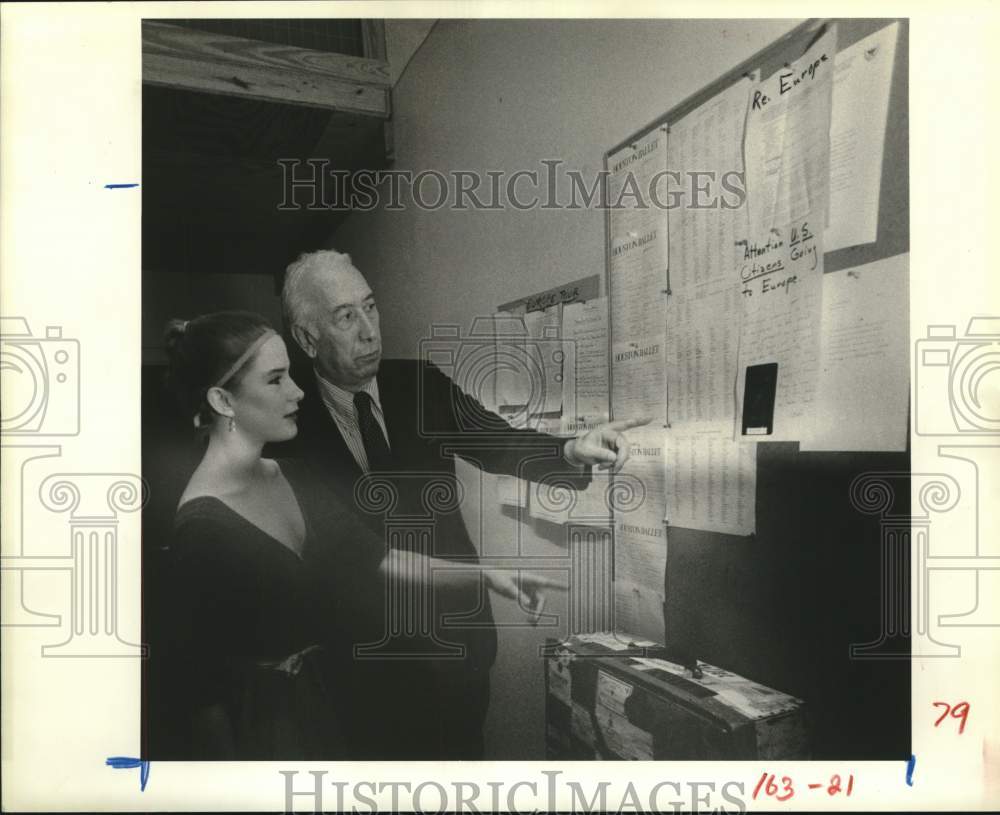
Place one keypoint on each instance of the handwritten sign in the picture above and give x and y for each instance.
(789, 80)
(775, 266)
(577, 291)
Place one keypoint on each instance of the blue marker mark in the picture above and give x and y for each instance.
(119, 186)
(909, 770)
(124, 763)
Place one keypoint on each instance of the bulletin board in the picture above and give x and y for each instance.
(798, 605)
(567, 358)
(531, 373)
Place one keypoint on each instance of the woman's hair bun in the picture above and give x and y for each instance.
(173, 335)
(201, 350)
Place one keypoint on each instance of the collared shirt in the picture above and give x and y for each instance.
(340, 405)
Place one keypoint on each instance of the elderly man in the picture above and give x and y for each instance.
(405, 419)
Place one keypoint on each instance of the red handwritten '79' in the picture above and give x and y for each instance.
(959, 711)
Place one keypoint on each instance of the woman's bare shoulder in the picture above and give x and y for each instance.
(203, 483)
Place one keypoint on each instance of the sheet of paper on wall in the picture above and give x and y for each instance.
(638, 375)
(552, 425)
(780, 273)
(862, 78)
(639, 496)
(550, 501)
(864, 387)
(706, 151)
(594, 503)
(560, 504)
(588, 506)
(638, 500)
(512, 380)
(585, 365)
(640, 558)
(638, 612)
(703, 308)
(636, 310)
(779, 352)
(569, 365)
(512, 491)
(711, 480)
(544, 348)
(632, 172)
(640, 566)
(703, 329)
(638, 379)
(638, 280)
(787, 145)
(638, 233)
(470, 360)
(638, 274)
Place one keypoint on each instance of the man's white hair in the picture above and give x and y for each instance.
(296, 296)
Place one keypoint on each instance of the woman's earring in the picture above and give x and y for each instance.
(232, 424)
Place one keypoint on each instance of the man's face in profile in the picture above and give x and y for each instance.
(345, 328)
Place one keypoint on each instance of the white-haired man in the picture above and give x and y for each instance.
(407, 420)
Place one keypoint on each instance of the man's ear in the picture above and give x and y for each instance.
(305, 340)
(218, 399)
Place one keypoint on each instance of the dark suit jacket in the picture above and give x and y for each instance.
(429, 421)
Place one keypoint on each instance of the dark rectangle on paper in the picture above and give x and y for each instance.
(758, 399)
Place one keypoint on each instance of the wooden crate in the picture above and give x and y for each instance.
(607, 700)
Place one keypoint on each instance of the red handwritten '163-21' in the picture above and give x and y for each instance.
(784, 788)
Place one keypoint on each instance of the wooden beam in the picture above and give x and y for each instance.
(186, 59)
(187, 43)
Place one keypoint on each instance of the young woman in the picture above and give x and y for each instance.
(246, 659)
(270, 572)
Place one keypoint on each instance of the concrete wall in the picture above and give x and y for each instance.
(187, 294)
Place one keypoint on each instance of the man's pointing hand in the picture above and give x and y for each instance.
(605, 446)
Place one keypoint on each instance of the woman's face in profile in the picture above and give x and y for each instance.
(266, 399)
